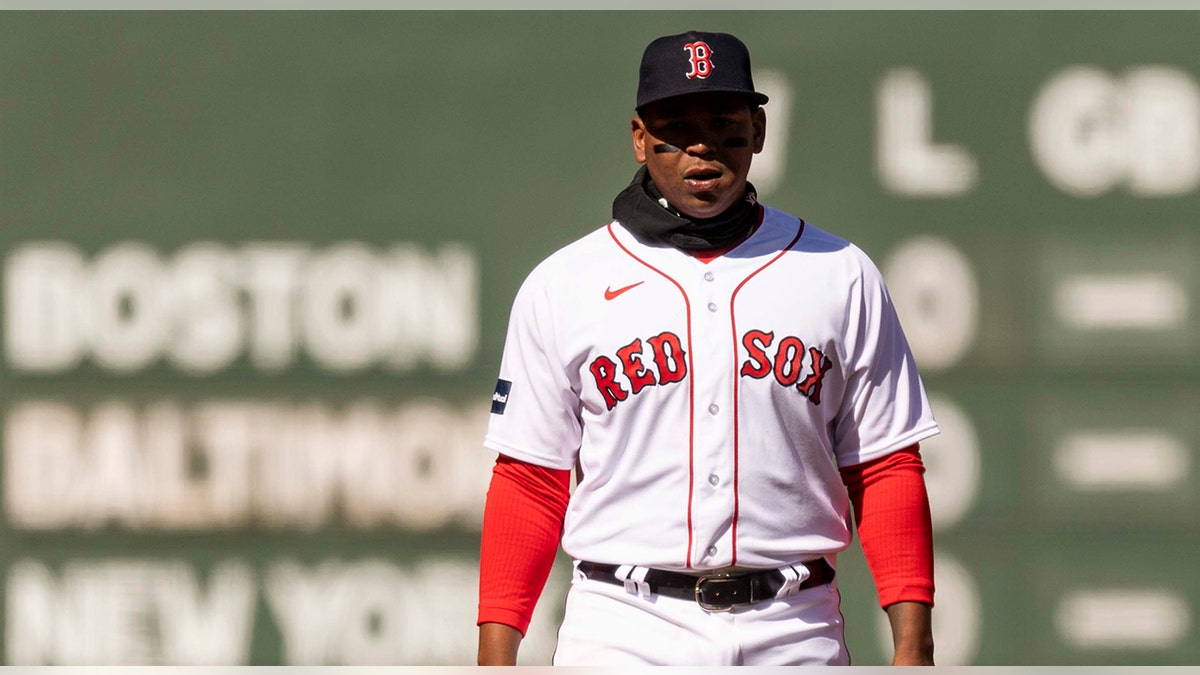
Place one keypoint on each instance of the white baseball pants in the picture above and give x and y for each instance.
(605, 625)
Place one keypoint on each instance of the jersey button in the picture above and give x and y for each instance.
(712, 550)
(713, 409)
(708, 276)
(712, 306)
(713, 479)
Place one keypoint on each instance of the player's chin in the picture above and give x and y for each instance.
(706, 204)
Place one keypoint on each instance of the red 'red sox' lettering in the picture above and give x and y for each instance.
(811, 387)
(756, 343)
(605, 372)
(669, 366)
(633, 369)
(668, 356)
(787, 364)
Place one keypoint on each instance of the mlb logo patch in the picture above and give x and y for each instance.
(500, 398)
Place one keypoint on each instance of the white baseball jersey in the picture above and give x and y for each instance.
(707, 406)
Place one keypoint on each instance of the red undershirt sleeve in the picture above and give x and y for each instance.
(891, 509)
(522, 525)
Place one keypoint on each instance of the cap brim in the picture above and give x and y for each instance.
(755, 97)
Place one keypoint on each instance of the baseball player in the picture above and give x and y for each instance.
(727, 381)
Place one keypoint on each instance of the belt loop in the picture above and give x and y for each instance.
(634, 578)
(792, 578)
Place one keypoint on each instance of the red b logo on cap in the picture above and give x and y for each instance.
(700, 56)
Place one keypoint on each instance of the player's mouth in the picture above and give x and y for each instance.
(702, 179)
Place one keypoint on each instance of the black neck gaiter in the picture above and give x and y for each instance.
(639, 209)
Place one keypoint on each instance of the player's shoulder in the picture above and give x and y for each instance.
(584, 248)
(585, 251)
(572, 261)
(829, 249)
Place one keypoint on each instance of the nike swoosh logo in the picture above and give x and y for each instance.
(609, 293)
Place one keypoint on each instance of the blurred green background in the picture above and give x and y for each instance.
(257, 268)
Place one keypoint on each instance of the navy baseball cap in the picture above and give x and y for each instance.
(695, 62)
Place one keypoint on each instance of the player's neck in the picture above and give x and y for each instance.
(711, 255)
(642, 210)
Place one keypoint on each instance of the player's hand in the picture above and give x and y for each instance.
(498, 644)
(912, 633)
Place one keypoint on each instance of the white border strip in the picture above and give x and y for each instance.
(692, 5)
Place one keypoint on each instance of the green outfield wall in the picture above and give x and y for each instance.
(257, 268)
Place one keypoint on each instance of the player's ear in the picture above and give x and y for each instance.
(759, 118)
(638, 130)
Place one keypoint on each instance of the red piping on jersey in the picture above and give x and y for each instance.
(737, 378)
(691, 386)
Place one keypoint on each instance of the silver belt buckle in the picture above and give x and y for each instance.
(718, 579)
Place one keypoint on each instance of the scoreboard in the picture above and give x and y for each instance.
(257, 269)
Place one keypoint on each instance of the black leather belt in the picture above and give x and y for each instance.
(714, 592)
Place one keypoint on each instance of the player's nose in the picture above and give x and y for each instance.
(702, 147)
